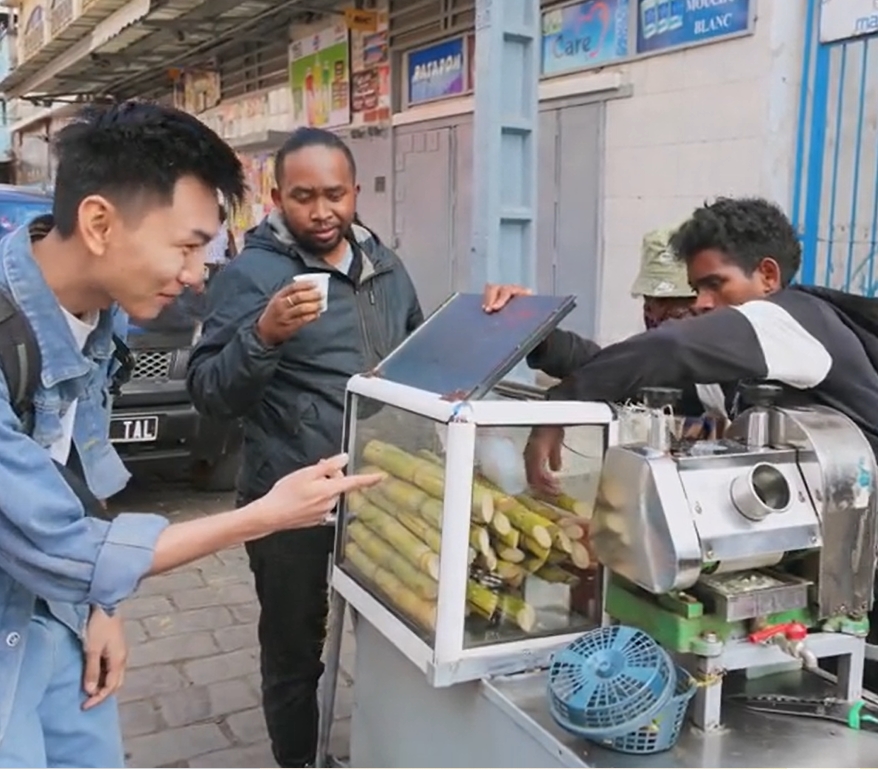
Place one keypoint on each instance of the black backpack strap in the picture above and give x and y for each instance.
(125, 362)
(20, 359)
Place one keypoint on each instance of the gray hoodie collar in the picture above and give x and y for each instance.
(363, 237)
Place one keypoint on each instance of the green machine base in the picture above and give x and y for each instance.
(678, 621)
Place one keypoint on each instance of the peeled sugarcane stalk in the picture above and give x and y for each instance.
(511, 554)
(566, 502)
(522, 614)
(523, 519)
(557, 575)
(482, 600)
(418, 501)
(573, 527)
(394, 533)
(404, 599)
(423, 474)
(385, 556)
(430, 456)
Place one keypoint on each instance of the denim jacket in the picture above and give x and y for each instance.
(49, 549)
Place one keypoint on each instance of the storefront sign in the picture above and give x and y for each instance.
(34, 31)
(436, 72)
(60, 15)
(665, 24)
(844, 19)
(584, 35)
(320, 78)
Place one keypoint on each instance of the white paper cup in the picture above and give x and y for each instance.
(319, 279)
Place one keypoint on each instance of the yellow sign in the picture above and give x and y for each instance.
(361, 21)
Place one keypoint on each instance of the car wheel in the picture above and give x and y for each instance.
(218, 476)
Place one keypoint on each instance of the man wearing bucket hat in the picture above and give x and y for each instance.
(662, 281)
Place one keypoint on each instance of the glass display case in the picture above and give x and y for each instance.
(451, 557)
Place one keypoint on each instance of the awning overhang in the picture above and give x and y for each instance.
(143, 40)
(99, 20)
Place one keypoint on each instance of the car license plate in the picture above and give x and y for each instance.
(134, 430)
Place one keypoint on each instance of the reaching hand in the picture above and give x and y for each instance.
(106, 654)
(294, 306)
(496, 297)
(542, 457)
(304, 498)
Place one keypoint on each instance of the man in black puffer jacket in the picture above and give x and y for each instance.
(270, 356)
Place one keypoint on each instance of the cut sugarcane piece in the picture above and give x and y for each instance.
(430, 456)
(536, 548)
(557, 575)
(480, 598)
(479, 539)
(500, 523)
(560, 540)
(574, 527)
(511, 573)
(471, 556)
(556, 557)
(534, 563)
(394, 533)
(384, 555)
(400, 596)
(511, 538)
(489, 560)
(511, 554)
(529, 523)
(580, 556)
(513, 608)
(566, 502)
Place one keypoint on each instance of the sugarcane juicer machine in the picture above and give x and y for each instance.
(747, 553)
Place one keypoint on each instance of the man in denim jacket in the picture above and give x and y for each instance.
(135, 205)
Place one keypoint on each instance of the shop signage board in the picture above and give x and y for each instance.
(663, 24)
(320, 78)
(846, 19)
(437, 71)
(584, 35)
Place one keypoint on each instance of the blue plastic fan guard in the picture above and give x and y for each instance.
(610, 682)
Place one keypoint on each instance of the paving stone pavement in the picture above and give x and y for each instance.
(191, 694)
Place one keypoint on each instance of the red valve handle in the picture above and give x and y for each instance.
(794, 631)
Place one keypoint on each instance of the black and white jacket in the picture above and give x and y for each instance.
(820, 344)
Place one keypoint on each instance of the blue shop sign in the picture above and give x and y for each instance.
(584, 35)
(665, 24)
(436, 72)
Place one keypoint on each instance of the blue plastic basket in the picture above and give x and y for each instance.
(609, 683)
(664, 730)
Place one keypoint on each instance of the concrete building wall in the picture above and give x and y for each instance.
(714, 120)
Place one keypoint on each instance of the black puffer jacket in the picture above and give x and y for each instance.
(291, 397)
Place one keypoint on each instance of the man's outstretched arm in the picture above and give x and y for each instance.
(781, 338)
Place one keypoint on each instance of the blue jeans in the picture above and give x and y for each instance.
(48, 726)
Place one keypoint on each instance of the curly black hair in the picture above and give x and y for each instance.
(128, 149)
(746, 230)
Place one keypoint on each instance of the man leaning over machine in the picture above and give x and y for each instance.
(818, 344)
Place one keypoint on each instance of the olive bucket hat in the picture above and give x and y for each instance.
(661, 275)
